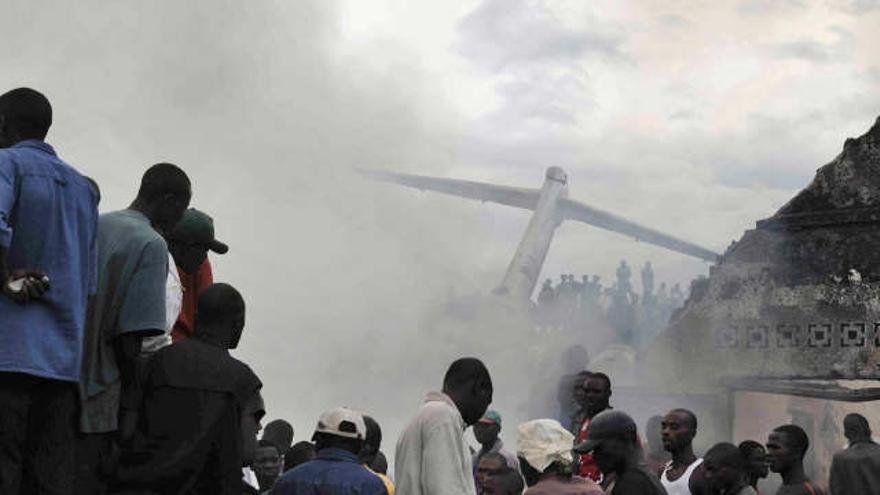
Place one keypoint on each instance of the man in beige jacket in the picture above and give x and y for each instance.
(432, 457)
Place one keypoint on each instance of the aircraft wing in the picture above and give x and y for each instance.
(519, 197)
(573, 210)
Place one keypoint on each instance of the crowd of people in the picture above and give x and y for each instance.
(116, 376)
(636, 317)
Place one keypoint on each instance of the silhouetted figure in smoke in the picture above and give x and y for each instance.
(594, 397)
(656, 456)
(725, 470)
(624, 274)
(856, 469)
(547, 295)
(676, 296)
(546, 459)
(371, 455)
(678, 429)
(48, 220)
(613, 441)
(198, 402)
(571, 382)
(437, 433)
(647, 283)
(786, 448)
(755, 456)
(622, 316)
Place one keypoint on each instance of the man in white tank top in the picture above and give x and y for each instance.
(682, 475)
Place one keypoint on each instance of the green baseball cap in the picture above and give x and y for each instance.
(196, 227)
(491, 416)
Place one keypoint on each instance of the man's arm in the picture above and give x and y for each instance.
(128, 348)
(441, 462)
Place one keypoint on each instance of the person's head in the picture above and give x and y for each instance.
(24, 114)
(596, 393)
(251, 416)
(221, 316)
(487, 429)
(786, 447)
(280, 433)
(755, 456)
(267, 463)
(544, 446)
(163, 196)
(577, 391)
(612, 438)
(191, 239)
(724, 467)
(300, 453)
(678, 429)
(856, 428)
(372, 442)
(340, 428)
(379, 463)
(653, 434)
(468, 384)
(490, 466)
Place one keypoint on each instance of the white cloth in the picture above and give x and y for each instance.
(542, 442)
(681, 486)
(173, 303)
(432, 457)
(249, 477)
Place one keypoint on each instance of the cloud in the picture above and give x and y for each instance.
(762, 7)
(499, 34)
(856, 7)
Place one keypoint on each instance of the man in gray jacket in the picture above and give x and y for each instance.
(432, 457)
(856, 469)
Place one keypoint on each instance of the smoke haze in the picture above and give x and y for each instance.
(696, 120)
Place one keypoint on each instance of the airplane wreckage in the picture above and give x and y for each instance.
(786, 328)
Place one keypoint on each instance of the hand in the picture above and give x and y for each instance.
(34, 283)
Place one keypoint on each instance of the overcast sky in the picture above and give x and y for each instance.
(695, 117)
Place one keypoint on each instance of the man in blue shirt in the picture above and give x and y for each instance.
(48, 218)
(339, 438)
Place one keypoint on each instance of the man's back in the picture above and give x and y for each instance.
(431, 455)
(637, 481)
(565, 486)
(333, 472)
(48, 222)
(856, 470)
(132, 273)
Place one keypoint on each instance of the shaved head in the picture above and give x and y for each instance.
(25, 114)
(220, 315)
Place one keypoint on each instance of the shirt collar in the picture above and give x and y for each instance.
(335, 454)
(36, 144)
(441, 397)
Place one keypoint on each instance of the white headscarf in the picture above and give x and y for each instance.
(542, 442)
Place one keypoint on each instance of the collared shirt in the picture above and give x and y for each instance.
(173, 302)
(132, 275)
(332, 472)
(48, 221)
(432, 457)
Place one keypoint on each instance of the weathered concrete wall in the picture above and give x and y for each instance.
(782, 302)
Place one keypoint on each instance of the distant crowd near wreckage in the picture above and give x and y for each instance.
(116, 376)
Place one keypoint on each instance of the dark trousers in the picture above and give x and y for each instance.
(37, 432)
(96, 458)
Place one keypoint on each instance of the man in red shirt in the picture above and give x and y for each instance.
(189, 244)
(593, 397)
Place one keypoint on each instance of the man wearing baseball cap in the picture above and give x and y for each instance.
(612, 439)
(486, 432)
(339, 438)
(189, 243)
